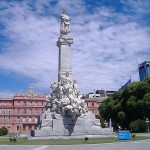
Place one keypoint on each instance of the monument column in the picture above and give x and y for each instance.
(64, 43)
(64, 64)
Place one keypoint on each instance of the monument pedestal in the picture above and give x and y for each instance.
(70, 127)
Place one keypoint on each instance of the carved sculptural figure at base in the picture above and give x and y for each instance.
(65, 99)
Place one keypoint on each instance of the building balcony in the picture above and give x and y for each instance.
(1, 114)
(25, 123)
(24, 115)
(92, 107)
(6, 106)
(28, 106)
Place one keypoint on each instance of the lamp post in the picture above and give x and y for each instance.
(19, 127)
(110, 126)
(147, 121)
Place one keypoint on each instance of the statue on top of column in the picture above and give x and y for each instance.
(65, 23)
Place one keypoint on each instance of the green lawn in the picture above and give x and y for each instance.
(8, 135)
(24, 141)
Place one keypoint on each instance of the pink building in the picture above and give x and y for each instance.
(20, 113)
(93, 104)
(6, 113)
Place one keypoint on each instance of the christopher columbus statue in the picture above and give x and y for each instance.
(65, 23)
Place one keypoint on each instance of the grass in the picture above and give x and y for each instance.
(8, 135)
(24, 141)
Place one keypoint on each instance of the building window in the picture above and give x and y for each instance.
(24, 119)
(18, 111)
(24, 103)
(18, 103)
(9, 119)
(30, 103)
(35, 120)
(24, 127)
(29, 119)
(24, 111)
(9, 111)
(4, 119)
(18, 119)
(36, 103)
(17, 127)
(30, 127)
(87, 104)
(31, 111)
(36, 111)
(92, 104)
(4, 111)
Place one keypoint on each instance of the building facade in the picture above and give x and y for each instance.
(20, 114)
(94, 100)
(93, 104)
(100, 94)
(6, 113)
(144, 70)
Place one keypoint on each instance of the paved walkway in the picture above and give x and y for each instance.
(136, 145)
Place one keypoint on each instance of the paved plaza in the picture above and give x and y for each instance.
(136, 145)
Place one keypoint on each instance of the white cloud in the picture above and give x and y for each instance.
(104, 52)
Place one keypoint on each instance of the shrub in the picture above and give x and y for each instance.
(3, 131)
(138, 126)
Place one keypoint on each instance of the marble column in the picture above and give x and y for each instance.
(64, 64)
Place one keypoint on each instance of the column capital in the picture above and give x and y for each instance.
(64, 41)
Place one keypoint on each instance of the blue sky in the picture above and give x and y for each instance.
(111, 37)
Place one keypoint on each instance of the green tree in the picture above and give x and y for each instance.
(138, 126)
(130, 90)
(147, 80)
(129, 105)
(142, 89)
(146, 105)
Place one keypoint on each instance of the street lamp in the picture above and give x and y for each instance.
(19, 127)
(147, 121)
(110, 126)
